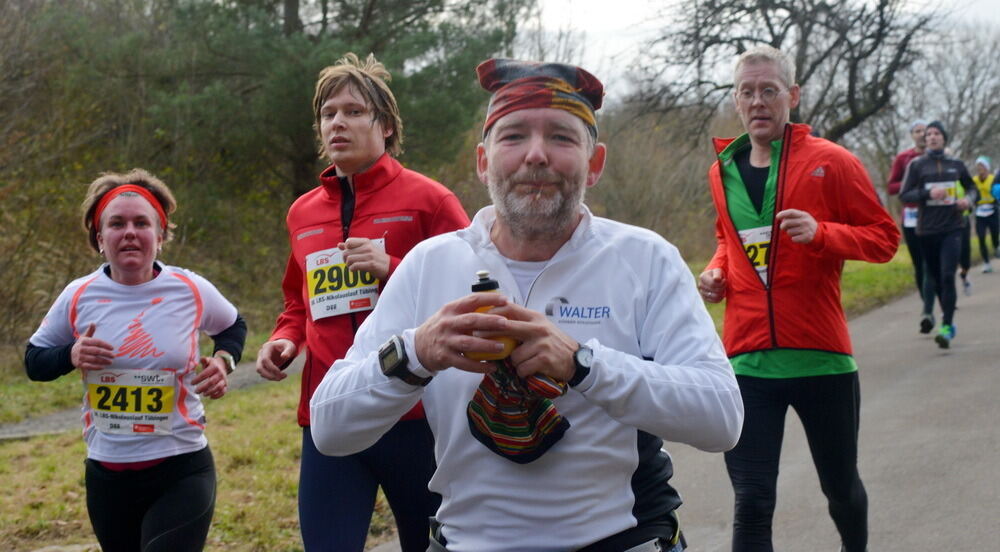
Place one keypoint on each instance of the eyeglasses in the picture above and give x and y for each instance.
(766, 95)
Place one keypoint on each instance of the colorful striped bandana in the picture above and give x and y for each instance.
(520, 85)
(515, 417)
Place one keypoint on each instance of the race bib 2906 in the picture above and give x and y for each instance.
(335, 290)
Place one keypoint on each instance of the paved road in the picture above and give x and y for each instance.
(930, 443)
(929, 446)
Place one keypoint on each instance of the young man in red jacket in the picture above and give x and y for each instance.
(791, 209)
(347, 236)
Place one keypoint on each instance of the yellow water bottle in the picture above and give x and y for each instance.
(487, 285)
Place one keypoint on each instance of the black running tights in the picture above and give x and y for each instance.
(165, 508)
(829, 408)
(991, 223)
(941, 253)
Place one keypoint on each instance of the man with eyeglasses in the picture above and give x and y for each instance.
(791, 209)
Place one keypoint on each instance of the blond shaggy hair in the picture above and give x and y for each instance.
(370, 80)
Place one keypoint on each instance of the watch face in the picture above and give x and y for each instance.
(392, 359)
(389, 356)
(585, 357)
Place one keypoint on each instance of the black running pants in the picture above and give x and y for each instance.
(165, 508)
(991, 223)
(941, 253)
(829, 407)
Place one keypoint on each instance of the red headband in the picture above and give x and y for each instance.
(115, 192)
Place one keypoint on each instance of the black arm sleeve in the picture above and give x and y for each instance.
(232, 338)
(47, 363)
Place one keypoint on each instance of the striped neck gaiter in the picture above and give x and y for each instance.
(515, 417)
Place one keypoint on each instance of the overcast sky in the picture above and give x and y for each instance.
(614, 32)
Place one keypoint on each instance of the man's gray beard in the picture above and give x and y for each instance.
(532, 217)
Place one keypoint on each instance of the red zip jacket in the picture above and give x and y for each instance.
(800, 307)
(398, 204)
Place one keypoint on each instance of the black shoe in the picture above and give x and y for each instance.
(926, 323)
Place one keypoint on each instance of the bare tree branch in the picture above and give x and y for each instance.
(848, 55)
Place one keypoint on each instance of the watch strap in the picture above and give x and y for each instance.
(582, 371)
(406, 375)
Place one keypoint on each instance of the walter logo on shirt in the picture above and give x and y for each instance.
(563, 312)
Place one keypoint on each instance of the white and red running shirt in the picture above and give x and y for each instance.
(143, 406)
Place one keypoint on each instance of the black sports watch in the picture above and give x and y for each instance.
(583, 359)
(392, 360)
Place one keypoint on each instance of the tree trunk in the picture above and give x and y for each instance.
(292, 24)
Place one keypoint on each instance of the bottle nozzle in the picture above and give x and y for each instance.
(484, 283)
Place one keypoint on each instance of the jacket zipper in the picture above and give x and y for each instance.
(345, 225)
(772, 252)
